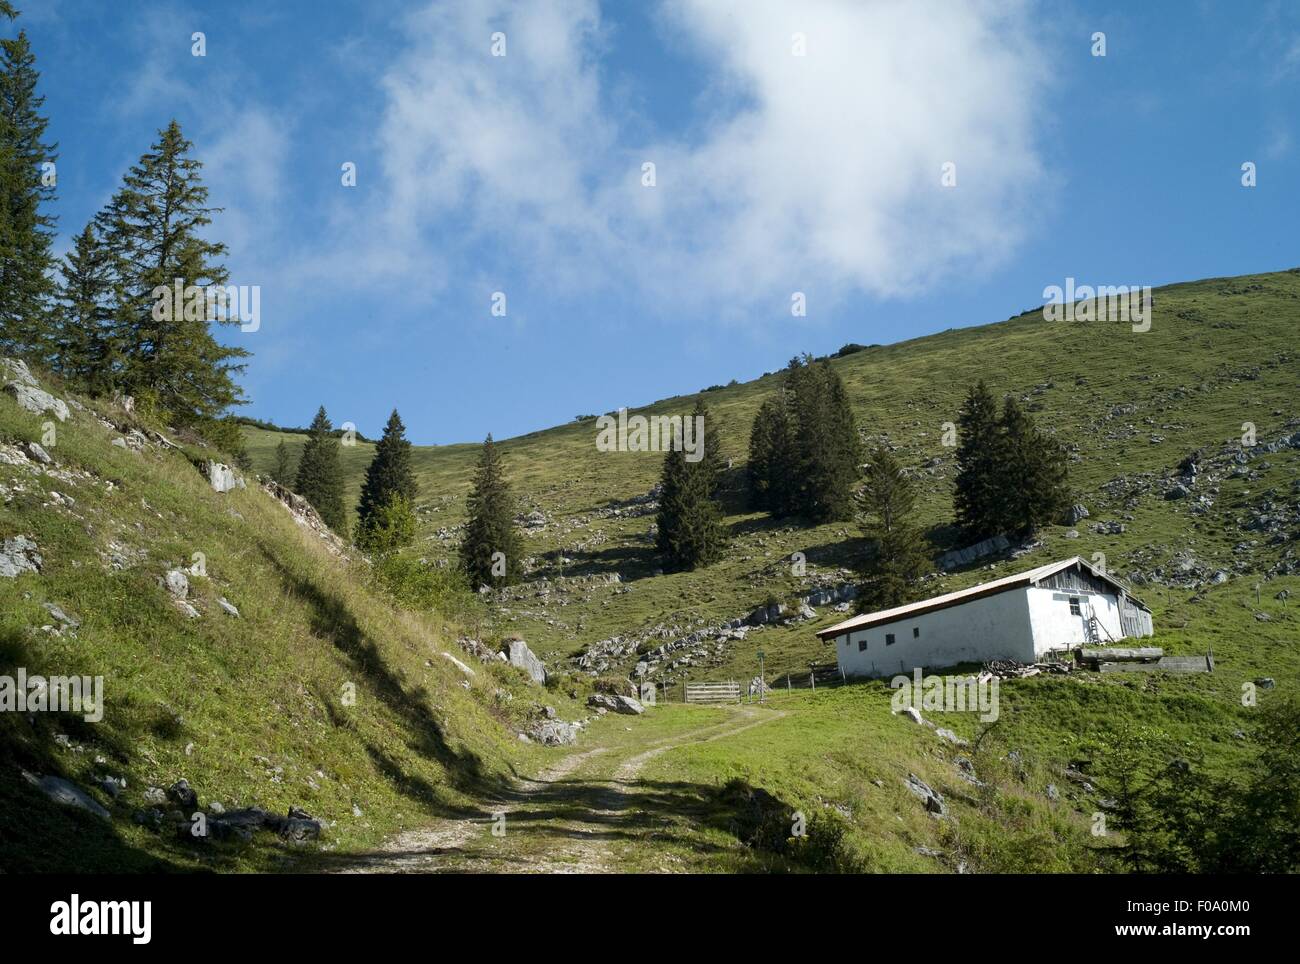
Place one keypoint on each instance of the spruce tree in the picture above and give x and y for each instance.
(689, 525)
(320, 474)
(1032, 472)
(388, 477)
(83, 349)
(898, 558)
(827, 444)
(153, 229)
(771, 454)
(26, 231)
(491, 552)
(977, 494)
(282, 471)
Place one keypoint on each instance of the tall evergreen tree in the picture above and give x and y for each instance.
(83, 349)
(1033, 473)
(978, 492)
(771, 457)
(26, 189)
(898, 558)
(388, 476)
(282, 471)
(828, 450)
(491, 552)
(689, 525)
(152, 228)
(320, 474)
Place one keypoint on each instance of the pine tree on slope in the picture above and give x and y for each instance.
(26, 232)
(320, 474)
(1033, 473)
(977, 491)
(899, 558)
(388, 477)
(689, 524)
(153, 229)
(282, 471)
(82, 347)
(491, 552)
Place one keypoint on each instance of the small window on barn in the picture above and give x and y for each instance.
(916, 632)
(1074, 606)
(862, 645)
(889, 639)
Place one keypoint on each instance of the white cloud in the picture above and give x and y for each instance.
(818, 172)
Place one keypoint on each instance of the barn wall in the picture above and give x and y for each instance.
(1055, 627)
(992, 627)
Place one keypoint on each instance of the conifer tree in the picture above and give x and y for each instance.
(26, 189)
(82, 346)
(689, 525)
(389, 476)
(771, 452)
(320, 474)
(1032, 471)
(153, 229)
(898, 559)
(978, 492)
(282, 471)
(491, 552)
(827, 444)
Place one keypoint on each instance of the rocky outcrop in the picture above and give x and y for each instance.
(518, 654)
(18, 555)
(222, 477)
(19, 382)
(304, 514)
(931, 798)
(964, 557)
(615, 704)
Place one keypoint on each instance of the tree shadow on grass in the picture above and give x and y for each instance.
(37, 834)
(333, 619)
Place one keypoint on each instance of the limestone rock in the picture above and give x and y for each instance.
(518, 654)
(67, 793)
(18, 555)
(618, 704)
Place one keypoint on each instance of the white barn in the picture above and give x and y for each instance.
(1021, 617)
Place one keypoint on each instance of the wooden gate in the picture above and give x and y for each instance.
(712, 692)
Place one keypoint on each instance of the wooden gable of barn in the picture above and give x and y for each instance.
(1078, 579)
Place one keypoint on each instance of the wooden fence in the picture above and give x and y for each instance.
(728, 692)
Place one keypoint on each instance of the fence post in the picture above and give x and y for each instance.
(812, 676)
(787, 681)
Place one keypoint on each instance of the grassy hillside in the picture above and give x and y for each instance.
(252, 710)
(1216, 565)
(1130, 406)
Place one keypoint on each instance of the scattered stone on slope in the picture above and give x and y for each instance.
(554, 733)
(617, 704)
(931, 798)
(60, 616)
(176, 583)
(36, 400)
(18, 555)
(39, 454)
(227, 607)
(518, 654)
(67, 793)
(458, 664)
(222, 477)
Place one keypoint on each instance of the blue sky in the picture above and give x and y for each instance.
(774, 174)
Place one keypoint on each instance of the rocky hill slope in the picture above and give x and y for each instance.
(1184, 445)
(259, 697)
